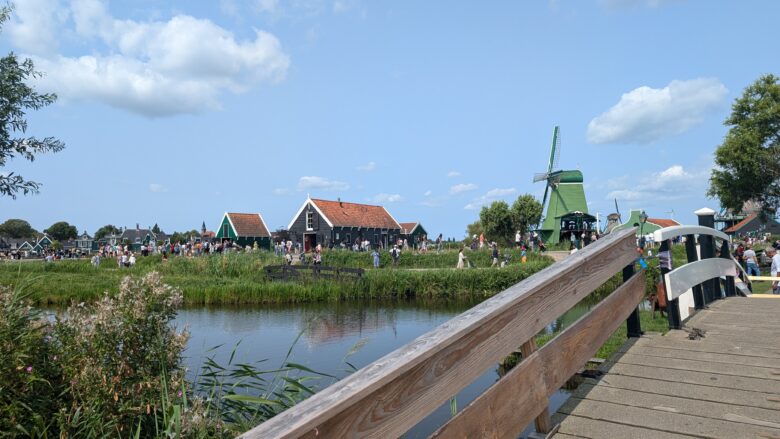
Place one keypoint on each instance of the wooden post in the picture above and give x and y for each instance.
(731, 288)
(672, 306)
(633, 325)
(690, 251)
(707, 245)
(543, 422)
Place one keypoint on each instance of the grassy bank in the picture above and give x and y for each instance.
(239, 279)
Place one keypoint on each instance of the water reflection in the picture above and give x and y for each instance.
(326, 333)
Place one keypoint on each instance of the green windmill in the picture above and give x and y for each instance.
(566, 211)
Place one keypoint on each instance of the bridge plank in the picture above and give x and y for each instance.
(674, 344)
(687, 405)
(669, 421)
(718, 358)
(394, 393)
(499, 411)
(692, 391)
(591, 428)
(696, 377)
(637, 357)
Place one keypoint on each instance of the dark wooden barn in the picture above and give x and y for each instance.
(331, 223)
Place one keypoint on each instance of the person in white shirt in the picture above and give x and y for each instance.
(772, 252)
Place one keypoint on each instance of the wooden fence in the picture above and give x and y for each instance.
(391, 395)
(289, 272)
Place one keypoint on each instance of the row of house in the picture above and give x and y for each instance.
(324, 222)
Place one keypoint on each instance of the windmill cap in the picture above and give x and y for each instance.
(573, 176)
(704, 211)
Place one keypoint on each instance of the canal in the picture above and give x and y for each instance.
(329, 338)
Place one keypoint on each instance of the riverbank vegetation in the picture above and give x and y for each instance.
(240, 278)
(114, 369)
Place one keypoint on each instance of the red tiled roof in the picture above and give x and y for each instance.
(248, 224)
(407, 228)
(663, 222)
(343, 214)
(735, 228)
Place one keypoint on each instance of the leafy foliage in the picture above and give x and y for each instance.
(748, 160)
(17, 228)
(62, 231)
(107, 230)
(526, 211)
(16, 97)
(497, 221)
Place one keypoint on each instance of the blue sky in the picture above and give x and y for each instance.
(174, 112)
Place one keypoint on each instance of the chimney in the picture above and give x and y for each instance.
(137, 226)
(339, 199)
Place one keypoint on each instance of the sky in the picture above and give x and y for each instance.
(174, 112)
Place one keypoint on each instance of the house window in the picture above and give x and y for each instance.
(337, 236)
(309, 220)
(225, 231)
(349, 238)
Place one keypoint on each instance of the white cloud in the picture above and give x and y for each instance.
(155, 68)
(645, 114)
(33, 25)
(282, 191)
(387, 198)
(673, 183)
(314, 182)
(489, 197)
(463, 187)
(269, 6)
(625, 4)
(368, 167)
(453, 174)
(157, 188)
(428, 193)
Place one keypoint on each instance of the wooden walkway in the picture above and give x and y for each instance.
(725, 384)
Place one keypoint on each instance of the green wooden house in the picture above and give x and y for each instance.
(244, 229)
(413, 233)
(43, 244)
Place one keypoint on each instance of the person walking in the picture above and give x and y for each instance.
(396, 254)
(751, 261)
(495, 255)
(461, 259)
(375, 255)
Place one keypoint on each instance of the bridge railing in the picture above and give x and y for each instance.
(701, 276)
(391, 395)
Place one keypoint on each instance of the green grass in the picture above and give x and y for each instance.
(240, 279)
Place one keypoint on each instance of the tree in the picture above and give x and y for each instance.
(496, 220)
(473, 229)
(526, 211)
(62, 231)
(17, 228)
(107, 230)
(156, 229)
(748, 160)
(16, 97)
(184, 236)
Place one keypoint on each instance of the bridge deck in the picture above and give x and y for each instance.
(723, 385)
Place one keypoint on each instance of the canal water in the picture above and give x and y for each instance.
(328, 337)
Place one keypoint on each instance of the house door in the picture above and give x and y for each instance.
(309, 241)
(384, 240)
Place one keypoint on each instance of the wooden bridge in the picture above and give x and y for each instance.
(724, 383)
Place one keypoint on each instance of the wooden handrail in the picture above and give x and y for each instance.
(394, 393)
(683, 278)
(675, 231)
